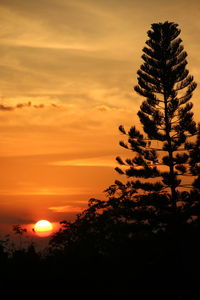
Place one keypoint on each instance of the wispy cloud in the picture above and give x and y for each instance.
(104, 108)
(87, 162)
(66, 208)
(8, 108)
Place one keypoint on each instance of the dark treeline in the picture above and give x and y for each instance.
(104, 254)
(143, 241)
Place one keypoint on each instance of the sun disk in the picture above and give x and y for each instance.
(43, 228)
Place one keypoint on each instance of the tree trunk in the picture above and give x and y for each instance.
(170, 152)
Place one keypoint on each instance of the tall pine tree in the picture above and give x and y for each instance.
(164, 150)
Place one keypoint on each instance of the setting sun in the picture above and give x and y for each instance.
(43, 228)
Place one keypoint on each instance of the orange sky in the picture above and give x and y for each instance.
(67, 69)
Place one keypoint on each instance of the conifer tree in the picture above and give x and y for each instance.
(163, 153)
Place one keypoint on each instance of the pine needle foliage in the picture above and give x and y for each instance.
(165, 151)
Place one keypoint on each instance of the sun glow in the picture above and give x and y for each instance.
(43, 228)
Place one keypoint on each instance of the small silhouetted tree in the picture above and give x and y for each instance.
(19, 231)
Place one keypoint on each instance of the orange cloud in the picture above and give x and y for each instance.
(66, 208)
(105, 161)
(5, 108)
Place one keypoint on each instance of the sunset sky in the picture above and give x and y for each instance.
(67, 71)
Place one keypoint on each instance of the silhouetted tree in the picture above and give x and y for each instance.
(19, 230)
(165, 151)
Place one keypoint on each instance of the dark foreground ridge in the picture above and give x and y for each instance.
(133, 270)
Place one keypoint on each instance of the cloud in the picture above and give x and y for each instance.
(22, 105)
(39, 106)
(87, 162)
(61, 25)
(8, 108)
(103, 108)
(55, 105)
(66, 208)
